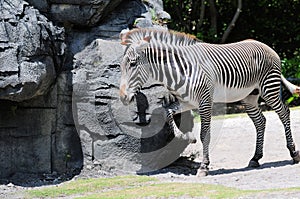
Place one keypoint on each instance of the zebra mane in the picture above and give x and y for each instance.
(161, 35)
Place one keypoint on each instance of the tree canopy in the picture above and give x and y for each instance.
(274, 22)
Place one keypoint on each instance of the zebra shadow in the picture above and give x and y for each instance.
(185, 166)
(267, 165)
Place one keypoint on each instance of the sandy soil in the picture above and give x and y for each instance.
(232, 146)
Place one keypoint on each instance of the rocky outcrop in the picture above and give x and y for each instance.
(37, 133)
(92, 13)
(76, 12)
(31, 50)
(53, 120)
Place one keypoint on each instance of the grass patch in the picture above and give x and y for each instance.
(83, 186)
(127, 187)
(220, 117)
(166, 190)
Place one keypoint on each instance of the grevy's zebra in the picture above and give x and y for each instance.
(198, 74)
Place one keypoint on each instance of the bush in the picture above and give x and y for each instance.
(291, 67)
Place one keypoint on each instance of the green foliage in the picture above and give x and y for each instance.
(186, 17)
(292, 98)
(291, 67)
(274, 22)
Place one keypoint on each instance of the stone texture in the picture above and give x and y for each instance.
(91, 13)
(154, 17)
(37, 131)
(37, 103)
(27, 142)
(30, 51)
(129, 14)
(76, 12)
(39, 135)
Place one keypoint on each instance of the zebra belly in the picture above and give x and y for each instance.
(227, 95)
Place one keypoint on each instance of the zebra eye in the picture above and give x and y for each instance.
(132, 64)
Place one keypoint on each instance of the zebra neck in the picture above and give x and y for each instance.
(170, 65)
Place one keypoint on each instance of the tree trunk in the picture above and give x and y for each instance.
(232, 23)
(202, 12)
(213, 18)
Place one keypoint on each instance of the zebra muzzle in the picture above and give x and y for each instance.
(126, 99)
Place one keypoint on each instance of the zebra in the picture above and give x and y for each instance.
(197, 74)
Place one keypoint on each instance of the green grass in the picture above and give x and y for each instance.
(83, 186)
(165, 190)
(127, 187)
(221, 117)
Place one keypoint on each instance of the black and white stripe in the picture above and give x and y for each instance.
(197, 73)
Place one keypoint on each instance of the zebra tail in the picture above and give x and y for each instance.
(291, 87)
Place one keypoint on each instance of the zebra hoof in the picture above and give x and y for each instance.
(202, 173)
(296, 157)
(253, 164)
(191, 139)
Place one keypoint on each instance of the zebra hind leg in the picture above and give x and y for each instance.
(254, 112)
(284, 114)
(171, 107)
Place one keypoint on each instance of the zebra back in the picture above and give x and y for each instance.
(172, 38)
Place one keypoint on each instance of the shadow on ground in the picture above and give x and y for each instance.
(186, 166)
(36, 180)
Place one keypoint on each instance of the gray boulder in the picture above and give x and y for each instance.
(92, 12)
(31, 50)
(76, 12)
(131, 138)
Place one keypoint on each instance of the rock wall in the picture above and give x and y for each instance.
(31, 52)
(36, 134)
(59, 77)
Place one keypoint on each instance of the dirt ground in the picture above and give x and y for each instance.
(232, 146)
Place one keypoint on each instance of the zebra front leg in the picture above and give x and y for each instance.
(174, 129)
(205, 116)
(172, 105)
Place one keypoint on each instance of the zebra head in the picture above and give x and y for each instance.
(134, 68)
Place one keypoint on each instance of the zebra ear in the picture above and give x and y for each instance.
(123, 37)
(147, 39)
(142, 45)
